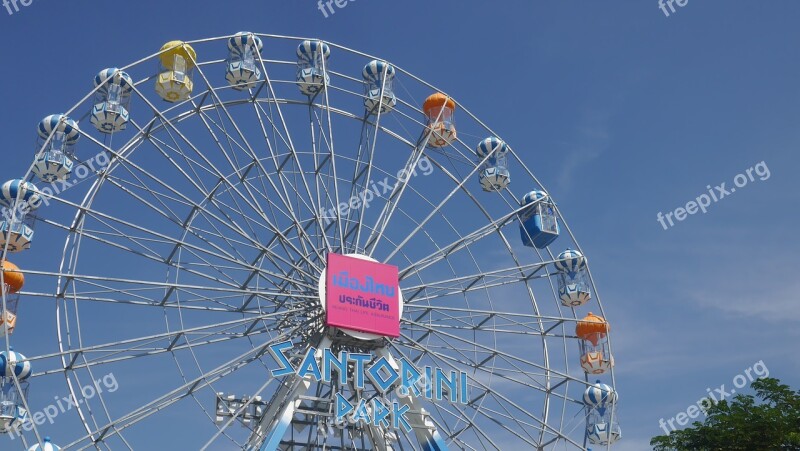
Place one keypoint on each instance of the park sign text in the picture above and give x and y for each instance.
(362, 296)
(384, 374)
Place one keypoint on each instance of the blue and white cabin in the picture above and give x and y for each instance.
(494, 174)
(55, 144)
(12, 409)
(604, 434)
(243, 71)
(18, 200)
(110, 112)
(573, 282)
(538, 224)
(602, 427)
(378, 81)
(599, 398)
(312, 76)
(12, 412)
(47, 446)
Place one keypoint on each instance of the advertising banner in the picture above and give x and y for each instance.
(362, 296)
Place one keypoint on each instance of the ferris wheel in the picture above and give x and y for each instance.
(271, 242)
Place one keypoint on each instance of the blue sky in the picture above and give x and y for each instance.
(620, 111)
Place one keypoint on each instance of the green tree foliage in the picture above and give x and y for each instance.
(770, 421)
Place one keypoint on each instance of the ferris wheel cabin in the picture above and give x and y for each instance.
(602, 427)
(573, 282)
(243, 71)
(538, 224)
(12, 408)
(110, 112)
(604, 434)
(47, 446)
(176, 64)
(378, 81)
(494, 174)
(439, 112)
(596, 356)
(12, 281)
(312, 74)
(57, 136)
(19, 199)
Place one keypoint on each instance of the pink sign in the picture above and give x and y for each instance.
(362, 296)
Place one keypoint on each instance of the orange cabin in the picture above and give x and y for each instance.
(13, 281)
(433, 105)
(439, 110)
(12, 277)
(592, 327)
